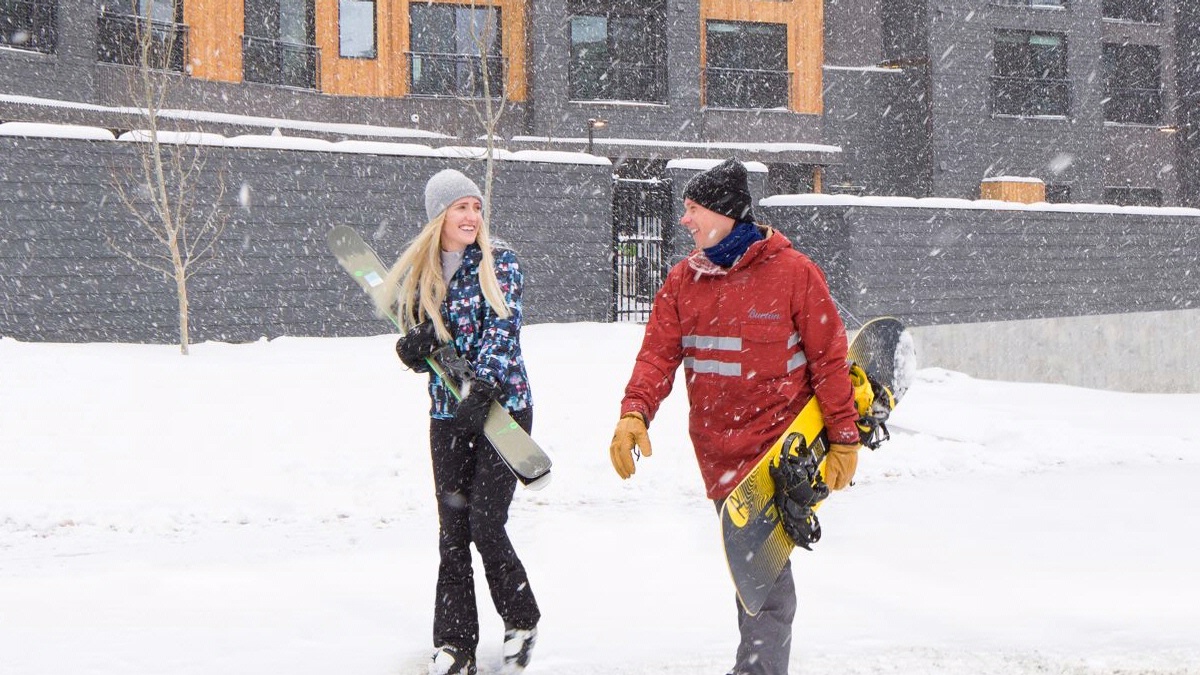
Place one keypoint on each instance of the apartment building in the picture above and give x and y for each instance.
(1096, 98)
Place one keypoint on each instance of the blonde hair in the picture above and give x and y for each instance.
(414, 286)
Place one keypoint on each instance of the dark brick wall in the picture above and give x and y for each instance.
(931, 266)
(60, 281)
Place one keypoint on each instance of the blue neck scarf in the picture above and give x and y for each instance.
(728, 250)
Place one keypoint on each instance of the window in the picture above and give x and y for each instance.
(1030, 74)
(277, 43)
(1133, 196)
(356, 29)
(1132, 84)
(118, 35)
(450, 46)
(29, 24)
(746, 65)
(619, 52)
(1139, 11)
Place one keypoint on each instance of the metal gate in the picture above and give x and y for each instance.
(641, 229)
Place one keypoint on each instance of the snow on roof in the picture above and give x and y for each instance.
(557, 157)
(385, 148)
(236, 119)
(175, 137)
(865, 69)
(706, 164)
(39, 130)
(980, 204)
(281, 143)
(697, 145)
(1012, 179)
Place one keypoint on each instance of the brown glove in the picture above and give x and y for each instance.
(630, 433)
(840, 464)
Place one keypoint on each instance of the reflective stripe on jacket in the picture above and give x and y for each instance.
(756, 342)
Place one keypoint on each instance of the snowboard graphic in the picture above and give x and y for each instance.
(528, 462)
(756, 545)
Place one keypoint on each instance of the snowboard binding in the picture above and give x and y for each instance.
(798, 489)
(874, 402)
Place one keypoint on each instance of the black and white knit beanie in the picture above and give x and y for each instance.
(446, 187)
(723, 189)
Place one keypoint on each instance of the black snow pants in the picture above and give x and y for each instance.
(474, 489)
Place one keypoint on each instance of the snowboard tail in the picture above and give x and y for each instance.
(523, 456)
(756, 543)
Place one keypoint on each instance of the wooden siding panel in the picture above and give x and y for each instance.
(387, 74)
(805, 27)
(356, 77)
(214, 39)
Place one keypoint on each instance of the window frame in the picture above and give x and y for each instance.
(364, 55)
(655, 87)
(745, 77)
(1155, 11)
(1114, 69)
(40, 25)
(117, 32)
(1025, 81)
(453, 78)
(268, 57)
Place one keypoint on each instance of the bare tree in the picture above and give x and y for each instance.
(168, 174)
(489, 110)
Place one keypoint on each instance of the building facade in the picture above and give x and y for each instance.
(897, 97)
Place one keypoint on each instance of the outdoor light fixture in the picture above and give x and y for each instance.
(1168, 130)
(592, 125)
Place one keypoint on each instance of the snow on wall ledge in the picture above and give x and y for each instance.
(976, 204)
(278, 141)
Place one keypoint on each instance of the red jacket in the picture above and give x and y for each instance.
(756, 342)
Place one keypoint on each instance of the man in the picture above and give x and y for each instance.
(752, 322)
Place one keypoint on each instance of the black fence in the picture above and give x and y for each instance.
(29, 24)
(118, 40)
(1134, 106)
(744, 88)
(285, 64)
(1030, 96)
(641, 227)
(606, 82)
(454, 75)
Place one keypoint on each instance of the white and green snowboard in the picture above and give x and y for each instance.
(528, 462)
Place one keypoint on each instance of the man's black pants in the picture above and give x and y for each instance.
(474, 489)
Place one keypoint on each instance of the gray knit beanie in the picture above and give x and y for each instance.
(446, 187)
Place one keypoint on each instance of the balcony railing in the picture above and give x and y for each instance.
(1134, 106)
(455, 75)
(605, 82)
(117, 42)
(29, 24)
(1030, 96)
(284, 64)
(747, 89)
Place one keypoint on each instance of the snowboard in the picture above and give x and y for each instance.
(756, 545)
(528, 462)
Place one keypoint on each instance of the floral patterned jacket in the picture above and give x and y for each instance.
(491, 344)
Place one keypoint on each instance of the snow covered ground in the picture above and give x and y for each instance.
(267, 508)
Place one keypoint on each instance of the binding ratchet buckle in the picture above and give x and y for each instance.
(874, 402)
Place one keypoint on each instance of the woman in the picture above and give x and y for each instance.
(454, 284)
